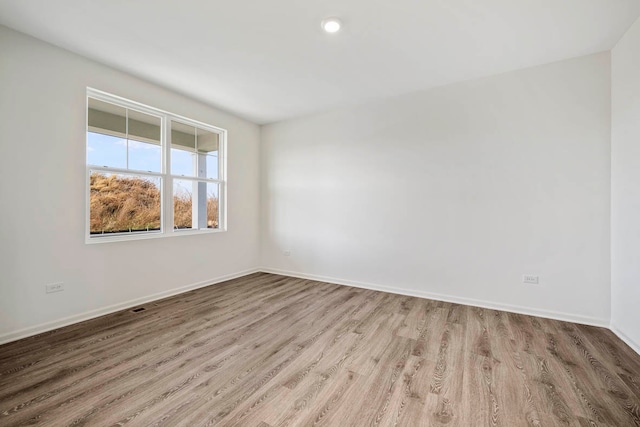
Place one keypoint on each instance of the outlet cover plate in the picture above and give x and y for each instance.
(54, 287)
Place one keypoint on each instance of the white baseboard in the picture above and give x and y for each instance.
(48, 326)
(45, 327)
(567, 317)
(634, 345)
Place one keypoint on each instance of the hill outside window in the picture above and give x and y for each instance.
(150, 173)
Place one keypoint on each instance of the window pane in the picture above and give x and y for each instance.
(213, 215)
(212, 166)
(183, 204)
(183, 162)
(144, 141)
(144, 156)
(106, 136)
(107, 118)
(122, 203)
(106, 150)
(144, 127)
(183, 148)
(195, 204)
(207, 146)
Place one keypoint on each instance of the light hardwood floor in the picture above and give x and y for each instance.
(267, 350)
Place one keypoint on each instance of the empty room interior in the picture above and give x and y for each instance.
(339, 213)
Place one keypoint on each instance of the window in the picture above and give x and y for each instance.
(150, 173)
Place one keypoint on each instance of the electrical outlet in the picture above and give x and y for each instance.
(533, 280)
(54, 287)
(286, 253)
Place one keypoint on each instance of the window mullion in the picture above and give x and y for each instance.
(167, 202)
(222, 176)
(126, 124)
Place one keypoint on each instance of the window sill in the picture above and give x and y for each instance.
(151, 235)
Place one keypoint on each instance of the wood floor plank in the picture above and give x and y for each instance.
(578, 377)
(427, 344)
(478, 364)
(620, 356)
(267, 350)
(445, 401)
(382, 383)
(412, 408)
(601, 376)
(516, 403)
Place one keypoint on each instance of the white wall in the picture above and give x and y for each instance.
(454, 192)
(42, 188)
(625, 209)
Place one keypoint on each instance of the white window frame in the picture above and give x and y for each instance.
(166, 178)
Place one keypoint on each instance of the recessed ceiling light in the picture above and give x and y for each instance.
(331, 25)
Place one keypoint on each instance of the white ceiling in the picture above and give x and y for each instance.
(268, 60)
